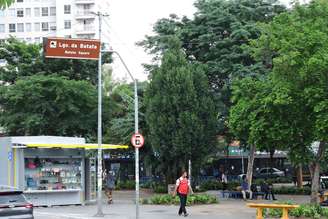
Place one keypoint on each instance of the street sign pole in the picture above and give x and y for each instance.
(99, 172)
(136, 127)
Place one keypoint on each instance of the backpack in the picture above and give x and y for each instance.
(183, 187)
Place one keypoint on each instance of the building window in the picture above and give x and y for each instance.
(52, 11)
(29, 40)
(12, 28)
(45, 11)
(37, 40)
(20, 12)
(52, 26)
(28, 27)
(86, 7)
(20, 27)
(12, 12)
(37, 12)
(28, 12)
(45, 26)
(68, 24)
(20, 1)
(67, 9)
(2, 28)
(2, 13)
(37, 27)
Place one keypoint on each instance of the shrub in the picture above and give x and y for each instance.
(160, 189)
(293, 190)
(171, 200)
(307, 211)
(211, 185)
(129, 185)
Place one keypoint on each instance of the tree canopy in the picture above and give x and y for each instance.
(216, 37)
(297, 96)
(180, 113)
(49, 105)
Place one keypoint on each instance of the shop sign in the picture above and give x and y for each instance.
(71, 48)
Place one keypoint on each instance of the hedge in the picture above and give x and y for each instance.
(195, 199)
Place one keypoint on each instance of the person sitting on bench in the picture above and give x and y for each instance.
(245, 188)
(267, 189)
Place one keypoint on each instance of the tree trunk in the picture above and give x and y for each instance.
(316, 173)
(299, 176)
(272, 150)
(250, 165)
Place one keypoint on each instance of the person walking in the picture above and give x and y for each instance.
(110, 185)
(182, 188)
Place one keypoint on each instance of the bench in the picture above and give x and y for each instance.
(323, 197)
(238, 194)
(260, 207)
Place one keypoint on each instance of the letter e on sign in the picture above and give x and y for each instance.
(137, 140)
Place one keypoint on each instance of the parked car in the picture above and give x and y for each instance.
(13, 204)
(266, 173)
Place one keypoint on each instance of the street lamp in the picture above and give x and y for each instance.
(136, 126)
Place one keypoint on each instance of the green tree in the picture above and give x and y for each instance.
(49, 105)
(299, 40)
(5, 3)
(27, 59)
(180, 113)
(216, 37)
(264, 117)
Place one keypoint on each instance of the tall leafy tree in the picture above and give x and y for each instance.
(180, 113)
(263, 117)
(5, 3)
(49, 105)
(216, 37)
(299, 40)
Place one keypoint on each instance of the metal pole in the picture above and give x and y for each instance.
(189, 170)
(137, 149)
(99, 172)
(136, 130)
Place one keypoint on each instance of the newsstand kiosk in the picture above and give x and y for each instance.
(50, 170)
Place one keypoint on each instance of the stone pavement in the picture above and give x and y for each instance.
(123, 208)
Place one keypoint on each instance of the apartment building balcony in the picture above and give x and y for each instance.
(84, 14)
(86, 30)
(82, 2)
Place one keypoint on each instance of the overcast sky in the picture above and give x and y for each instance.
(130, 21)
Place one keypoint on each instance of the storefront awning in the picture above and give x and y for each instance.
(71, 146)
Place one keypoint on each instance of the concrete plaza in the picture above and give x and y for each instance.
(124, 208)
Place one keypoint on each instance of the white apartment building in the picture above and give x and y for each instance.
(31, 20)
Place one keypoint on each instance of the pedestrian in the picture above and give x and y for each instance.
(110, 185)
(224, 180)
(182, 188)
(245, 188)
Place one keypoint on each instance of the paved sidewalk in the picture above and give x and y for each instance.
(124, 208)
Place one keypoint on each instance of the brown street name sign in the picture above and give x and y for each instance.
(71, 48)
